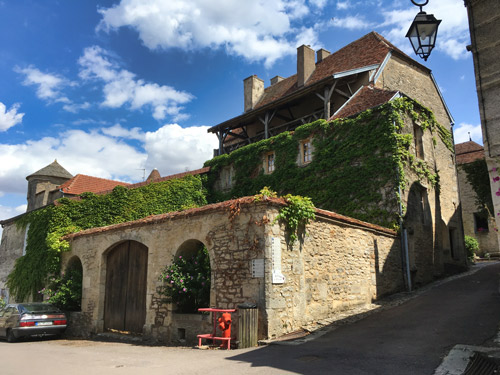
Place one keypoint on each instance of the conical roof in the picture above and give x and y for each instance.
(54, 169)
(154, 175)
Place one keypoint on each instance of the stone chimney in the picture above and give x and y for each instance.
(276, 79)
(305, 64)
(253, 88)
(322, 54)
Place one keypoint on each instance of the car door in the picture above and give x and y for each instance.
(5, 314)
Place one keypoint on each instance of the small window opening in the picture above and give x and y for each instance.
(270, 162)
(306, 152)
(480, 223)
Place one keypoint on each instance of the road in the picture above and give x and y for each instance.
(408, 339)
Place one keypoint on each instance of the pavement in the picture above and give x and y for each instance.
(439, 329)
(435, 330)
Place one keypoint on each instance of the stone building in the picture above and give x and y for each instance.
(341, 262)
(364, 75)
(478, 221)
(484, 35)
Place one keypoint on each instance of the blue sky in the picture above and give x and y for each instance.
(110, 88)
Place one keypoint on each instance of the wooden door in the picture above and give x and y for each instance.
(126, 279)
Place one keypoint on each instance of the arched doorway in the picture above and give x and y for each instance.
(126, 281)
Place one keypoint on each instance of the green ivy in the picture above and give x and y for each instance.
(49, 224)
(298, 212)
(357, 163)
(477, 175)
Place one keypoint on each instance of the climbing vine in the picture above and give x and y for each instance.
(357, 162)
(478, 177)
(47, 225)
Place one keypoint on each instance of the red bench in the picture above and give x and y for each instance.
(209, 336)
(213, 336)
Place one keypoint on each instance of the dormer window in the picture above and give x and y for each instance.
(269, 162)
(305, 151)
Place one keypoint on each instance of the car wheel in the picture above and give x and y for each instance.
(10, 336)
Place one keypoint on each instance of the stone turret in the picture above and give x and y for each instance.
(42, 185)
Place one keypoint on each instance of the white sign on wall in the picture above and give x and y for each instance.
(257, 267)
(278, 277)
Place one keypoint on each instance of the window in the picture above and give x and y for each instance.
(306, 151)
(418, 139)
(480, 223)
(269, 162)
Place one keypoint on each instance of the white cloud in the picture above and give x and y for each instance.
(172, 149)
(121, 87)
(9, 118)
(49, 85)
(255, 30)
(453, 32)
(7, 212)
(461, 133)
(118, 131)
(343, 5)
(351, 22)
(75, 108)
(104, 153)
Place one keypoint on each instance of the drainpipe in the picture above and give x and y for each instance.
(404, 239)
(404, 245)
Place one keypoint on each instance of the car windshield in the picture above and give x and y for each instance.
(38, 308)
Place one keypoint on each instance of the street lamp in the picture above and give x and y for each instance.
(423, 31)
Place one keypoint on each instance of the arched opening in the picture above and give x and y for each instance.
(187, 279)
(126, 283)
(65, 292)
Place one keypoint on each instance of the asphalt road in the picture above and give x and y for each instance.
(408, 339)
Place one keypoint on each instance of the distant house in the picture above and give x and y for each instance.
(477, 216)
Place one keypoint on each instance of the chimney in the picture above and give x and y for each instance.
(322, 54)
(276, 79)
(305, 64)
(253, 88)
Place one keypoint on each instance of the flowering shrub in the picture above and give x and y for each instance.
(187, 282)
(65, 292)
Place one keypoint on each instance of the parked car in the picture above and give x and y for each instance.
(31, 319)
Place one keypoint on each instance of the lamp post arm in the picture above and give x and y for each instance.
(420, 5)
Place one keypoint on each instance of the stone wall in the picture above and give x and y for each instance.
(340, 263)
(11, 248)
(337, 266)
(488, 240)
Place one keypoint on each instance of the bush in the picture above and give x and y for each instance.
(66, 292)
(471, 247)
(2, 303)
(187, 282)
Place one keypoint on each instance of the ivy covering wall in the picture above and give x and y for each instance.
(478, 177)
(49, 224)
(356, 167)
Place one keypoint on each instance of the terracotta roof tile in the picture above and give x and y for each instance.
(366, 98)
(166, 178)
(368, 50)
(468, 152)
(82, 184)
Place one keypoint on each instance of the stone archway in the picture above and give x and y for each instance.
(126, 282)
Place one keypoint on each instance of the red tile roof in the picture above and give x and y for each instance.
(166, 178)
(366, 98)
(370, 49)
(82, 184)
(468, 152)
